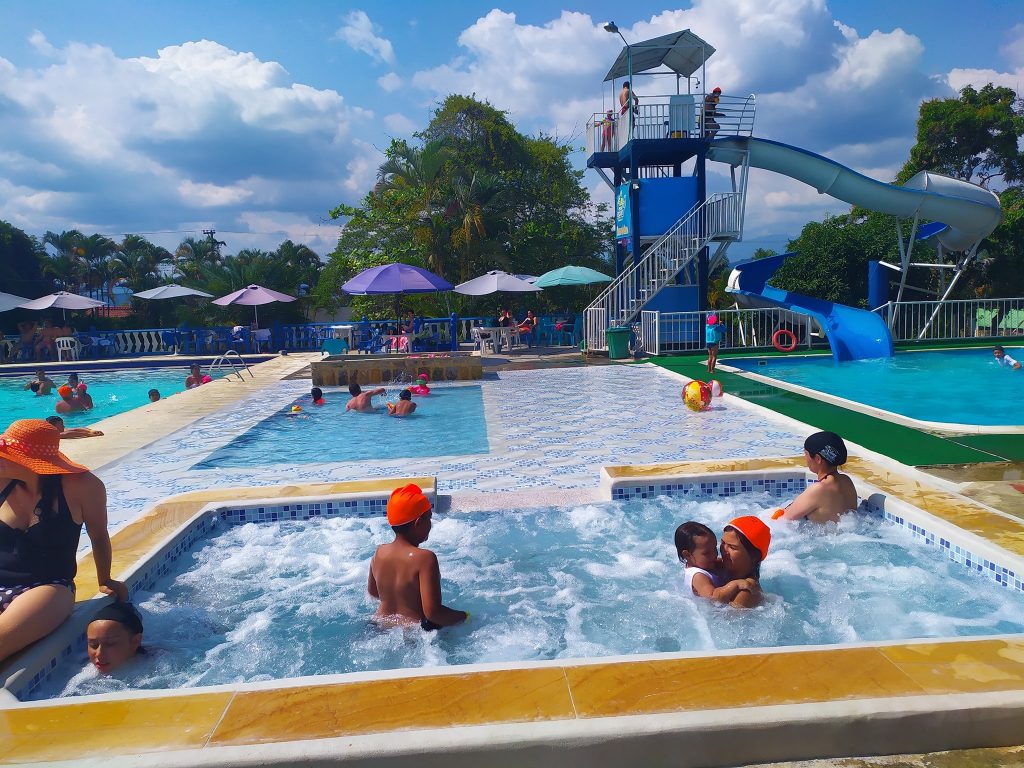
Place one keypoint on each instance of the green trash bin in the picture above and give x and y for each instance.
(618, 342)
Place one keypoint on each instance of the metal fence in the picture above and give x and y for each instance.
(741, 328)
(670, 117)
(951, 320)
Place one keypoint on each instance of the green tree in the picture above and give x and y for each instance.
(975, 137)
(22, 259)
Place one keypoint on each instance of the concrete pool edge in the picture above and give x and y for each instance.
(963, 666)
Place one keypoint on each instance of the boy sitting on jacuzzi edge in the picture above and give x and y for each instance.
(405, 578)
(834, 494)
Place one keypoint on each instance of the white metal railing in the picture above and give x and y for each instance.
(954, 319)
(742, 328)
(718, 218)
(681, 116)
(228, 358)
(595, 323)
(650, 338)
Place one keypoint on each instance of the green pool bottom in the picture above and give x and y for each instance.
(905, 444)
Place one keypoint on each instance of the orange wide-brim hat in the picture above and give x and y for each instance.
(35, 445)
(407, 504)
(753, 530)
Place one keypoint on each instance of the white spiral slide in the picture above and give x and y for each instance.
(969, 211)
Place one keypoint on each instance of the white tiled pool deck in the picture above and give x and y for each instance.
(547, 429)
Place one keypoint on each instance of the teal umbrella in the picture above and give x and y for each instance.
(571, 275)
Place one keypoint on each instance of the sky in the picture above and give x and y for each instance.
(256, 118)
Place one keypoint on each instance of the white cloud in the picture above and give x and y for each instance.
(361, 35)
(399, 124)
(38, 41)
(390, 82)
(150, 142)
(362, 169)
(1012, 51)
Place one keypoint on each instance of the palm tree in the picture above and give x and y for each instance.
(477, 212)
(193, 253)
(138, 262)
(96, 252)
(66, 266)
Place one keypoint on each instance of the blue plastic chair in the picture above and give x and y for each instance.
(169, 339)
(334, 347)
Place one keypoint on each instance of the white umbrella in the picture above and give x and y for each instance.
(492, 282)
(172, 291)
(63, 300)
(10, 301)
(253, 295)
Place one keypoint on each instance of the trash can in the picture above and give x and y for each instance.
(618, 342)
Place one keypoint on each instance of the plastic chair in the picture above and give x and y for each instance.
(261, 338)
(171, 341)
(575, 333)
(67, 347)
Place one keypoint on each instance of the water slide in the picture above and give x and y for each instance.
(969, 213)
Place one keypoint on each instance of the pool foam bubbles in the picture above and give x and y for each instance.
(289, 598)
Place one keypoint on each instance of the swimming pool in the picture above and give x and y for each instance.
(259, 601)
(949, 387)
(448, 422)
(113, 392)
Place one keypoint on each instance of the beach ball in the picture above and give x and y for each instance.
(296, 408)
(716, 387)
(697, 395)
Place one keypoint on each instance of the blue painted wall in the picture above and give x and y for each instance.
(663, 202)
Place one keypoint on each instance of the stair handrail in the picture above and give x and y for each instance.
(228, 359)
(715, 217)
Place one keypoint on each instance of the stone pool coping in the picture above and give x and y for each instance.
(738, 706)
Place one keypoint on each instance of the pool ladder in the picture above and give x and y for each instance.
(228, 358)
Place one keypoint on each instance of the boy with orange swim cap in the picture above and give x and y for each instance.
(405, 578)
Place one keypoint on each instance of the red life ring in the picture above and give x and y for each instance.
(781, 334)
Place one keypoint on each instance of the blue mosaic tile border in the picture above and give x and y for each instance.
(777, 487)
(369, 507)
(982, 565)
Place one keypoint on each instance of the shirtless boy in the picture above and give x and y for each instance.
(44, 384)
(405, 578)
(404, 406)
(361, 400)
(826, 500)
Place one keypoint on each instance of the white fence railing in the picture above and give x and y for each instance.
(742, 328)
(670, 117)
(650, 336)
(950, 320)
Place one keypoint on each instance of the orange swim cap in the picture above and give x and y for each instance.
(407, 504)
(64, 390)
(754, 531)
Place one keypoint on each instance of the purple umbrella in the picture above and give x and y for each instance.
(253, 295)
(395, 278)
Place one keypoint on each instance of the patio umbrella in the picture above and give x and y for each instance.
(492, 282)
(395, 278)
(172, 291)
(571, 275)
(63, 300)
(253, 295)
(10, 301)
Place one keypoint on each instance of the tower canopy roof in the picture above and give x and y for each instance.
(682, 52)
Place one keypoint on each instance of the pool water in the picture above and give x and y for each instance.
(113, 392)
(952, 386)
(447, 422)
(275, 600)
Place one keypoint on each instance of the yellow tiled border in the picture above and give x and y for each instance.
(542, 692)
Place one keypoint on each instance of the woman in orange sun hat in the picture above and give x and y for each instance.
(45, 498)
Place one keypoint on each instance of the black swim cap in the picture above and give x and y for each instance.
(828, 445)
(123, 613)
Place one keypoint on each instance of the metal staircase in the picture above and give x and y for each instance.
(718, 219)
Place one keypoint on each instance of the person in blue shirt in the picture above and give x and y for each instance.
(712, 337)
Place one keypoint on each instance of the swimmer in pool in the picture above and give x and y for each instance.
(745, 542)
(1004, 359)
(697, 549)
(114, 636)
(72, 434)
(154, 395)
(405, 578)
(404, 406)
(834, 494)
(41, 384)
(361, 401)
(317, 395)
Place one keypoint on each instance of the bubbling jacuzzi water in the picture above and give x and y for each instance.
(276, 600)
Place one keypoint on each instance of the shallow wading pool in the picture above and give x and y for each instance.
(281, 598)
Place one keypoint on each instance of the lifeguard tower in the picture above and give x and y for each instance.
(650, 146)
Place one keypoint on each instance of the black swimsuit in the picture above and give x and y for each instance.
(45, 553)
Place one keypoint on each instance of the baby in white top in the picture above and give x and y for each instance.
(697, 549)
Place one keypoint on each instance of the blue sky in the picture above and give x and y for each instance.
(257, 117)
